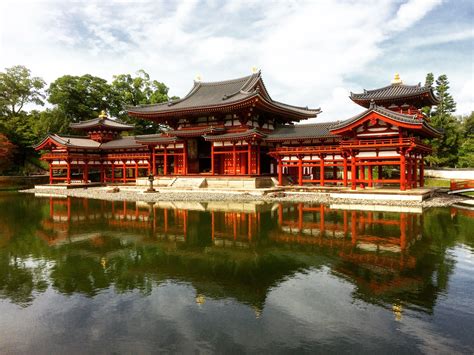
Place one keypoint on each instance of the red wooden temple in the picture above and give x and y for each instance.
(234, 128)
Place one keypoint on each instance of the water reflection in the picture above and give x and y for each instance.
(225, 250)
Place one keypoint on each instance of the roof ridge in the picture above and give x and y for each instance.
(223, 82)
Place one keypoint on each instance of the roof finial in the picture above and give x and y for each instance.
(396, 79)
(254, 70)
(198, 78)
(103, 114)
(372, 104)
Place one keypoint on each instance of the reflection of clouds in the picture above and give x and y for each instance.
(308, 310)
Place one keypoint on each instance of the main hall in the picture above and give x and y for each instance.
(233, 128)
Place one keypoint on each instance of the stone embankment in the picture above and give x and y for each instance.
(117, 194)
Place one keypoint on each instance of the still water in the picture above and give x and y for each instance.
(82, 276)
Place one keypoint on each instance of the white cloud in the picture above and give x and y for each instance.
(309, 51)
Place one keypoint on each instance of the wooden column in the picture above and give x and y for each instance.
(369, 170)
(300, 170)
(165, 161)
(362, 176)
(402, 171)
(415, 172)
(124, 172)
(409, 172)
(345, 169)
(280, 171)
(422, 171)
(353, 172)
(136, 170)
(321, 170)
(249, 158)
(234, 159)
(85, 172)
(50, 173)
(212, 166)
(258, 159)
(153, 160)
(185, 158)
(68, 171)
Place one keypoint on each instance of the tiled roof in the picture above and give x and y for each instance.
(399, 117)
(235, 136)
(205, 95)
(196, 132)
(123, 142)
(396, 92)
(102, 122)
(156, 138)
(303, 131)
(75, 142)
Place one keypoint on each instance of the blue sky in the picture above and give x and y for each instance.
(311, 53)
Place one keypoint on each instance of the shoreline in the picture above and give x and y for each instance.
(439, 199)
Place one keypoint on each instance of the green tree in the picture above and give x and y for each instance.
(80, 97)
(17, 89)
(428, 83)
(466, 150)
(48, 121)
(139, 90)
(445, 148)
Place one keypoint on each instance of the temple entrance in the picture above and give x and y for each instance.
(199, 156)
(204, 156)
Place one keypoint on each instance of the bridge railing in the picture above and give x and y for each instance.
(461, 185)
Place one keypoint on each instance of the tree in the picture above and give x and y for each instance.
(80, 97)
(445, 148)
(48, 121)
(428, 83)
(138, 90)
(18, 88)
(7, 150)
(466, 150)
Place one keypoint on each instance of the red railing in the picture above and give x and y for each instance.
(461, 185)
(317, 149)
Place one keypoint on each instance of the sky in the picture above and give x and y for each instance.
(311, 53)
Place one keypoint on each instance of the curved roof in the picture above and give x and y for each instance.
(87, 143)
(219, 96)
(411, 120)
(303, 131)
(397, 92)
(102, 122)
(236, 136)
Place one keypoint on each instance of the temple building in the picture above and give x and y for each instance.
(234, 128)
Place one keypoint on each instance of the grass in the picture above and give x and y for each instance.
(431, 182)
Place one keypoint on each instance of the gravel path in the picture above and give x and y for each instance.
(438, 200)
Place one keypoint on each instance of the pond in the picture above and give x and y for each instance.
(84, 276)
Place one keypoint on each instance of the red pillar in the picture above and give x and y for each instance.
(321, 170)
(165, 161)
(249, 158)
(300, 170)
(68, 172)
(234, 159)
(409, 172)
(280, 171)
(422, 171)
(153, 160)
(402, 171)
(370, 176)
(362, 176)
(345, 170)
(136, 170)
(50, 173)
(415, 171)
(353, 172)
(113, 172)
(258, 159)
(124, 172)
(212, 168)
(185, 157)
(85, 172)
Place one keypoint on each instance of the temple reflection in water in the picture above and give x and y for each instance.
(238, 250)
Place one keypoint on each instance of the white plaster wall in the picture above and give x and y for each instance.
(450, 174)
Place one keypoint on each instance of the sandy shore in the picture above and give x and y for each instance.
(438, 200)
